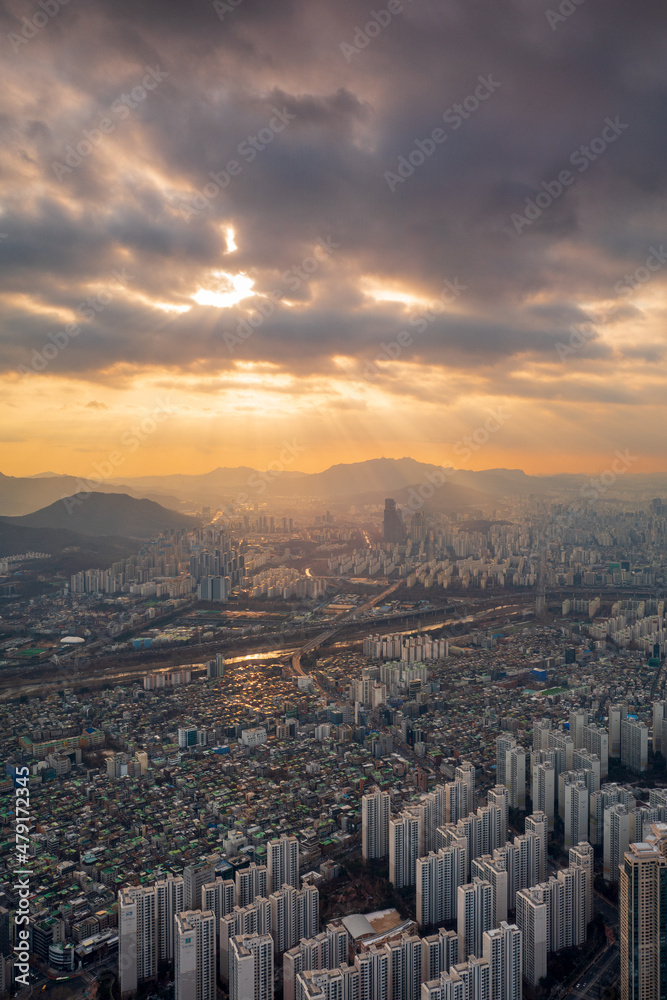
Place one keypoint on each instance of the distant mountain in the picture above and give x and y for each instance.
(72, 552)
(101, 514)
(30, 493)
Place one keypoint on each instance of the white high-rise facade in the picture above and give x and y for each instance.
(404, 839)
(169, 901)
(137, 937)
(250, 883)
(544, 790)
(616, 839)
(532, 919)
(251, 967)
(375, 811)
(195, 956)
(643, 915)
(515, 776)
(474, 915)
(282, 857)
(503, 951)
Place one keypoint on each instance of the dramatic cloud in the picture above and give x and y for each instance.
(367, 224)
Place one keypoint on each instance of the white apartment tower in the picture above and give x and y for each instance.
(282, 856)
(195, 958)
(375, 811)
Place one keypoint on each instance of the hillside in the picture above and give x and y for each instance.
(103, 514)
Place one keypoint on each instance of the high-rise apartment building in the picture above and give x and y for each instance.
(250, 883)
(194, 877)
(137, 938)
(616, 839)
(538, 823)
(282, 862)
(515, 776)
(474, 915)
(251, 967)
(195, 957)
(170, 900)
(503, 950)
(576, 813)
(544, 790)
(404, 838)
(581, 856)
(532, 919)
(439, 876)
(375, 811)
(617, 713)
(596, 740)
(643, 914)
(634, 745)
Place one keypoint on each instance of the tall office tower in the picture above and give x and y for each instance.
(581, 856)
(538, 823)
(493, 871)
(220, 897)
(251, 882)
(616, 839)
(405, 955)
(255, 918)
(584, 760)
(439, 876)
(634, 745)
(169, 901)
(194, 877)
(251, 967)
(194, 950)
(375, 811)
(499, 796)
(617, 713)
(504, 743)
(404, 837)
(282, 857)
(576, 813)
(374, 974)
(393, 527)
(659, 713)
(643, 915)
(465, 772)
(578, 720)
(441, 951)
(474, 915)
(596, 740)
(458, 802)
(532, 920)
(544, 790)
(541, 732)
(339, 941)
(137, 937)
(515, 775)
(502, 949)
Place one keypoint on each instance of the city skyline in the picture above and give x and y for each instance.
(372, 231)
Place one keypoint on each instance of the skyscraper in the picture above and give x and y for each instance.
(393, 527)
(515, 776)
(375, 825)
(643, 915)
(194, 950)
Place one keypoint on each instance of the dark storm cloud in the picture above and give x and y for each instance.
(350, 120)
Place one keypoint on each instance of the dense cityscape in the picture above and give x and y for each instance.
(333, 500)
(381, 754)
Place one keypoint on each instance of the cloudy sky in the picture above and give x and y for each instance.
(366, 229)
